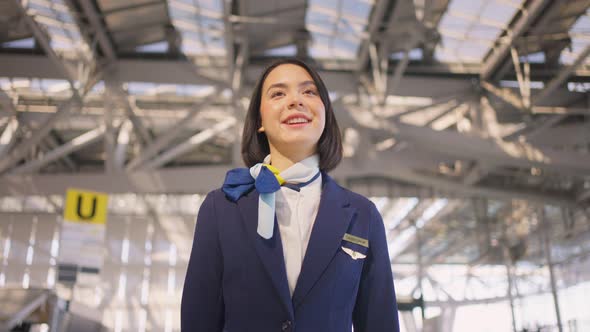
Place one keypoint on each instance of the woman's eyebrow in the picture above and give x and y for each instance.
(284, 85)
(307, 83)
(276, 85)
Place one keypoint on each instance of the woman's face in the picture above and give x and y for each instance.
(292, 112)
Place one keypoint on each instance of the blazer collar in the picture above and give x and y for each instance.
(270, 251)
(332, 221)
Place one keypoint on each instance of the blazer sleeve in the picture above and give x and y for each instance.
(376, 308)
(202, 307)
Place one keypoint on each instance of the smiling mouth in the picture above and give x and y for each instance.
(295, 121)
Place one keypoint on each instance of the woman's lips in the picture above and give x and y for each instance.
(297, 124)
(297, 118)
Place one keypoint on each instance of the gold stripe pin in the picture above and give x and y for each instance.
(356, 240)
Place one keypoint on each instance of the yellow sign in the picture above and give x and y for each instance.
(86, 207)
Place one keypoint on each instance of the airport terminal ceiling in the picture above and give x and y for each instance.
(468, 122)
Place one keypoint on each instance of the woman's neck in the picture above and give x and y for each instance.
(282, 160)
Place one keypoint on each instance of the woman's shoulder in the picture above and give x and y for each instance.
(216, 202)
(217, 195)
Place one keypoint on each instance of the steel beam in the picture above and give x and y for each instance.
(8, 136)
(116, 91)
(23, 148)
(509, 277)
(504, 94)
(524, 79)
(99, 31)
(78, 93)
(239, 109)
(493, 151)
(561, 110)
(448, 117)
(548, 256)
(167, 71)
(52, 143)
(560, 79)
(21, 316)
(455, 98)
(583, 196)
(229, 38)
(399, 71)
(191, 143)
(398, 169)
(172, 133)
(42, 38)
(142, 132)
(71, 146)
(498, 54)
(120, 153)
(206, 178)
(375, 22)
(8, 108)
(379, 74)
(541, 129)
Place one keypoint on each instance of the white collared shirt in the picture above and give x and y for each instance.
(296, 213)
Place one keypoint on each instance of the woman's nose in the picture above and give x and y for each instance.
(295, 101)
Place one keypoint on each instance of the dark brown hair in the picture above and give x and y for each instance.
(255, 145)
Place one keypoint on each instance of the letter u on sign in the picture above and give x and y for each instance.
(86, 206)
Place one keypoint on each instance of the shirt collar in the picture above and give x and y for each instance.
(301, 171)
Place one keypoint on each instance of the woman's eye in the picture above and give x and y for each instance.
(311, 92)
(276, 94)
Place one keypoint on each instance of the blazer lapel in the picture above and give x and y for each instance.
(270, 251)
(334, 216)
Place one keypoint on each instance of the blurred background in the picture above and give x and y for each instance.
(466, 122)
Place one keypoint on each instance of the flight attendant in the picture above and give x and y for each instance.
(281, 246)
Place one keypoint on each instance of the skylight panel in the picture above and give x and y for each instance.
(288, 50)
(153, 89)
(46, 87)
(580, 35)
(64, 35)
(20, 43)
(209, 5)
(470, 27)
(200, 23)
(414, 54)
(158, 47)
(336, 27)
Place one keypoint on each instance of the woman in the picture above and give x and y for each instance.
(282, 247)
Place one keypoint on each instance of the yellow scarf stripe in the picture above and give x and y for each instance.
(276, 173)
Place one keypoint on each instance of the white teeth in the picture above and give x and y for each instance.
(297, 120)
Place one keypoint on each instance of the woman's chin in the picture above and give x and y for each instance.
(303, 144)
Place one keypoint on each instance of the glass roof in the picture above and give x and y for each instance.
(469, 28)
(580, 35)
(21, 43)
(153, 89)
(200, 23)
(49, 87)
(337, 27)
(157, 47)
(64, 34)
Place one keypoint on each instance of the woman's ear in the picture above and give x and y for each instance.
(261, 129)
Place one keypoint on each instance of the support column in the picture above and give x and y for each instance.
(420, 269)
(547, 239)
(508, 264)
(509, 277)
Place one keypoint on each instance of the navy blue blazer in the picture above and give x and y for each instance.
(236, 280)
